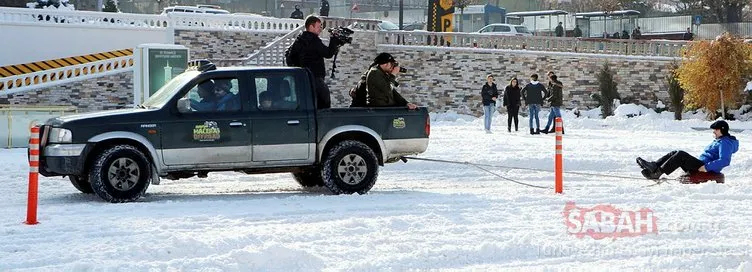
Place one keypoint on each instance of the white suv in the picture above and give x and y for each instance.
(210, 9)
(506, 30)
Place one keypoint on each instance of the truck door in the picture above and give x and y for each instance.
(282, 118)
(216, 131)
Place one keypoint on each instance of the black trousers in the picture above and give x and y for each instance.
(513, 112)
(323, 100)
(678, 159)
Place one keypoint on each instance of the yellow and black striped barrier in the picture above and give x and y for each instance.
(26, 68)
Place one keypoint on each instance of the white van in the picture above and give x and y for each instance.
(210, 9)
(506, 30)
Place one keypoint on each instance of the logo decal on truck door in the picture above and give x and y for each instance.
(206, 132)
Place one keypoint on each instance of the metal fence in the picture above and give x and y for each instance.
(710, 31)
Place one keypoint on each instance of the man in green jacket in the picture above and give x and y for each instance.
(382, 84)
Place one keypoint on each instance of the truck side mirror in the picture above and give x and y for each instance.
(184, 105)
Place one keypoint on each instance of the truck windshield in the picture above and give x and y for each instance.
(158, 99)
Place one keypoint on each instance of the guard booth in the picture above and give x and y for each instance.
(542, 22)
(475, 17)
(594, 24)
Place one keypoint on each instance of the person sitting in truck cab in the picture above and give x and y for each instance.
(265, 100)
(208, 100)
(226, 100)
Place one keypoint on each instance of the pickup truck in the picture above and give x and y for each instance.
(253, 120)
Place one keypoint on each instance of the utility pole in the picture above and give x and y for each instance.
(401, 14)
(99, 5)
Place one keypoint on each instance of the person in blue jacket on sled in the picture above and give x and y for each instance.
(708, 167)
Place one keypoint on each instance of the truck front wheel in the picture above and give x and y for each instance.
(120, 174)
(350, 167)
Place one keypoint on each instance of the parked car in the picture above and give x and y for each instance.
(209, 9)
(506, 30)
(387, 26)
(269, 125)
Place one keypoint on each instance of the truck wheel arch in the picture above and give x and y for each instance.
(124, 137)
(353, 132)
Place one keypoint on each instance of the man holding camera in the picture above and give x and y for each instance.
(309, 51)
(382, 84)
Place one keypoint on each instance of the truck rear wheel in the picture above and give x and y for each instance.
(350, 167)
(120, 174)
(309, 178)
(81, 183)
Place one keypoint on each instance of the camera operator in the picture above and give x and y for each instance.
(382, 83)
(309, 51)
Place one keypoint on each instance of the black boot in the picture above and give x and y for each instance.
(532, 131)
(545, 130)
(651, 170)
(537, 131)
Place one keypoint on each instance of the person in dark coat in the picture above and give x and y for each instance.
(555, 98)
(577, 31)
(559, 30)
(714, 158)
(297, 14)
(382, 84)
(489, 93)
(324, 10)
(309, 51)
(688, 36)
(533, 93)
(512, 103)
(636, 33)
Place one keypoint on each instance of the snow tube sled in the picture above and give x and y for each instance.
(701, 177)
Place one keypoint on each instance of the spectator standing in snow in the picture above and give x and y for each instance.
(555, 98)
(512, 102)
(489, 93)
(716, 156)
(533, 93)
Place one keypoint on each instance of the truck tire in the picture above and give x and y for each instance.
(309, 178)
(350, 167)
(120, 174)
(81, 183)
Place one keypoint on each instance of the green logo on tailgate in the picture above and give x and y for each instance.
(398, 122)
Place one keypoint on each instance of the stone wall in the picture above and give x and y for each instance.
(215, 45)
(451, 78)
(441, 78)
(103, 93)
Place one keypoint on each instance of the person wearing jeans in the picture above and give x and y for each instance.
(555, 98)
(533, 94)
(489, 93)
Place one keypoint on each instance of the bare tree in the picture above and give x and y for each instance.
(722, 11)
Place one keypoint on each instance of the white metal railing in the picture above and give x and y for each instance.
(190, 21)
(85, 18)
(67, 74)
(553, 44)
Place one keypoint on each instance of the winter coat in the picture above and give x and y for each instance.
(512, 96)
(381, 92)
(559, 31)
(555, 94)
(489, 92)
(718, 154)
(310, 51)
(533, 93)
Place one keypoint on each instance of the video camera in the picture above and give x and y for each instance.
(401, 69)
(342, 34)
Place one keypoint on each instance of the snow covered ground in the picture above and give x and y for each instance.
(419, 216)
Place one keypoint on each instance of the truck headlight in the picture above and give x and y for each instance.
(60, 135)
